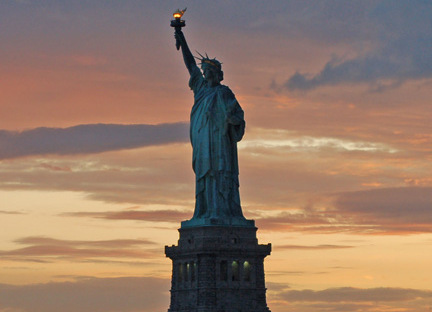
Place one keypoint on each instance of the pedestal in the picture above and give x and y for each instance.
(218, 269)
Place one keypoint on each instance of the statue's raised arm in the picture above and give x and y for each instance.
(187, 54)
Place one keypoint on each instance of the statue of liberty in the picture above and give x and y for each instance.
(216, 125)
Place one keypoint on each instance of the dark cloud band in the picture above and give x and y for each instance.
(88, 139)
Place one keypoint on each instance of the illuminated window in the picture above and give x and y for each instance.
(223, 271)
(193, 268)
(247, 270)
(186, 277)
(235, 271)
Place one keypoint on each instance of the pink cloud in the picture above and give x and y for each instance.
(126, 294)
(154, 216)
(377, 211)
(45, 247)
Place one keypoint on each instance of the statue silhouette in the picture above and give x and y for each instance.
(216, 125)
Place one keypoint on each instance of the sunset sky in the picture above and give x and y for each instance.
(335, 165)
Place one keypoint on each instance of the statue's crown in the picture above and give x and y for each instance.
(206, 60)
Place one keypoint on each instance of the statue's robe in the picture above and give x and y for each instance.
(214, 143)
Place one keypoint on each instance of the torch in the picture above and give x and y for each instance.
(178, 23)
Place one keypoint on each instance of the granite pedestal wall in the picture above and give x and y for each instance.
(218, 269)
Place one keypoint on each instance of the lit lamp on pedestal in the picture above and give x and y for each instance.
(178, 23)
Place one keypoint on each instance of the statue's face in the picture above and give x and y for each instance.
(211, 75)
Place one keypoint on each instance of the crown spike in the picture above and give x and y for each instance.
(202, 56)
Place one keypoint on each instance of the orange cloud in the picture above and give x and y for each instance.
(317, 247)
(10, 212)
(349, 294)
(349, 299)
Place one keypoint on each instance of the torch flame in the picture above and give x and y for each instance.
(178, 13)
